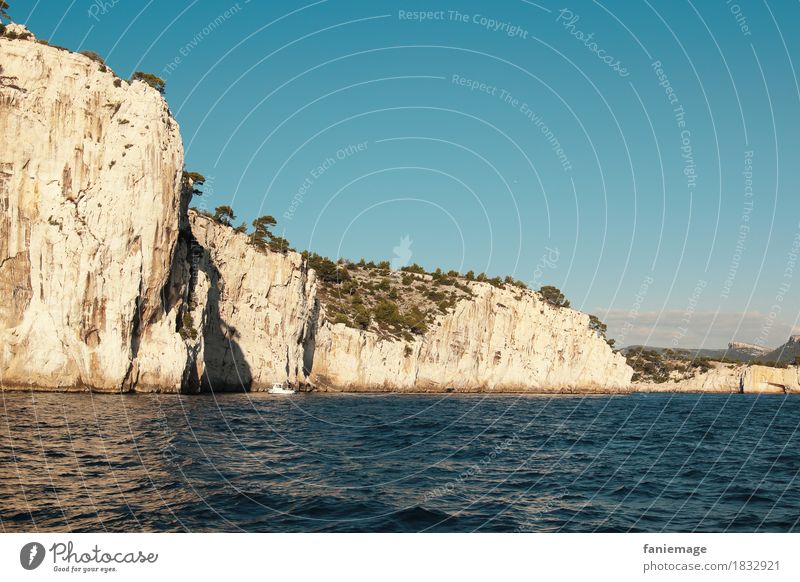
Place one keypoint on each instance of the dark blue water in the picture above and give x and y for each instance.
(399, 463)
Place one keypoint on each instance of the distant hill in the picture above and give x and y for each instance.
(787, 353)
(735, 352)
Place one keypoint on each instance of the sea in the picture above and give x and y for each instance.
(399, 463)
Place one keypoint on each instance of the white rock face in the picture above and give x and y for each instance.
(501, 340)
(90, 177)
(722, 378)
(768, 380)
(733, 378)
(254, 310)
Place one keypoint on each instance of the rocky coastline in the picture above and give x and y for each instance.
(111, 284)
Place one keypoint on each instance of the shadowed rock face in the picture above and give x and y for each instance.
(255, 311)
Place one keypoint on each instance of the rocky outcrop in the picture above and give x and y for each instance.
(253, 310)
(722, 378)
(500, 340)
(90, 188)
(768, 380)
(733, 378)
(742, 350)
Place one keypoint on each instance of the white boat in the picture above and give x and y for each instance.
(279, 388)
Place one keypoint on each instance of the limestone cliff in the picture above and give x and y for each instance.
(721, 378)
(768, 380)
(253, 310)
(500, 340)
(109, 283)
(733, 378)
(90, 176)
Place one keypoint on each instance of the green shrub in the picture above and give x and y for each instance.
(340, 318)
(414, 268)
(278, 244)
(327, 270)
(362, 319)
(155, 82)
(387, 312)
(415, 321)
(596, 325)
(553, 296)
(192, 180)
(94, 56)
(262, 234)
(186, 328)
(224, 215)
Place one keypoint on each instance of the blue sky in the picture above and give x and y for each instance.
(597, 146)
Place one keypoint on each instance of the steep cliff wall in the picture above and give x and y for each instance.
(90, 176)
(253, 310)
(501, 339)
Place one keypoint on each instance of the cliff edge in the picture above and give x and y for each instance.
(90, 187)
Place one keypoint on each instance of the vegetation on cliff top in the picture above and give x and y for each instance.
(156, 83)
(399, 304)
(653, 366)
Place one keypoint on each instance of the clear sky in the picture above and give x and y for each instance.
(642, 156)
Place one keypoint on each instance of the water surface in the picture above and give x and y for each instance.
(399, 463)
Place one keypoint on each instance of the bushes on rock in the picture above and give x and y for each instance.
(193, 180)
(553, 296)
(95, 57)
(224, 215)
(155, 82)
